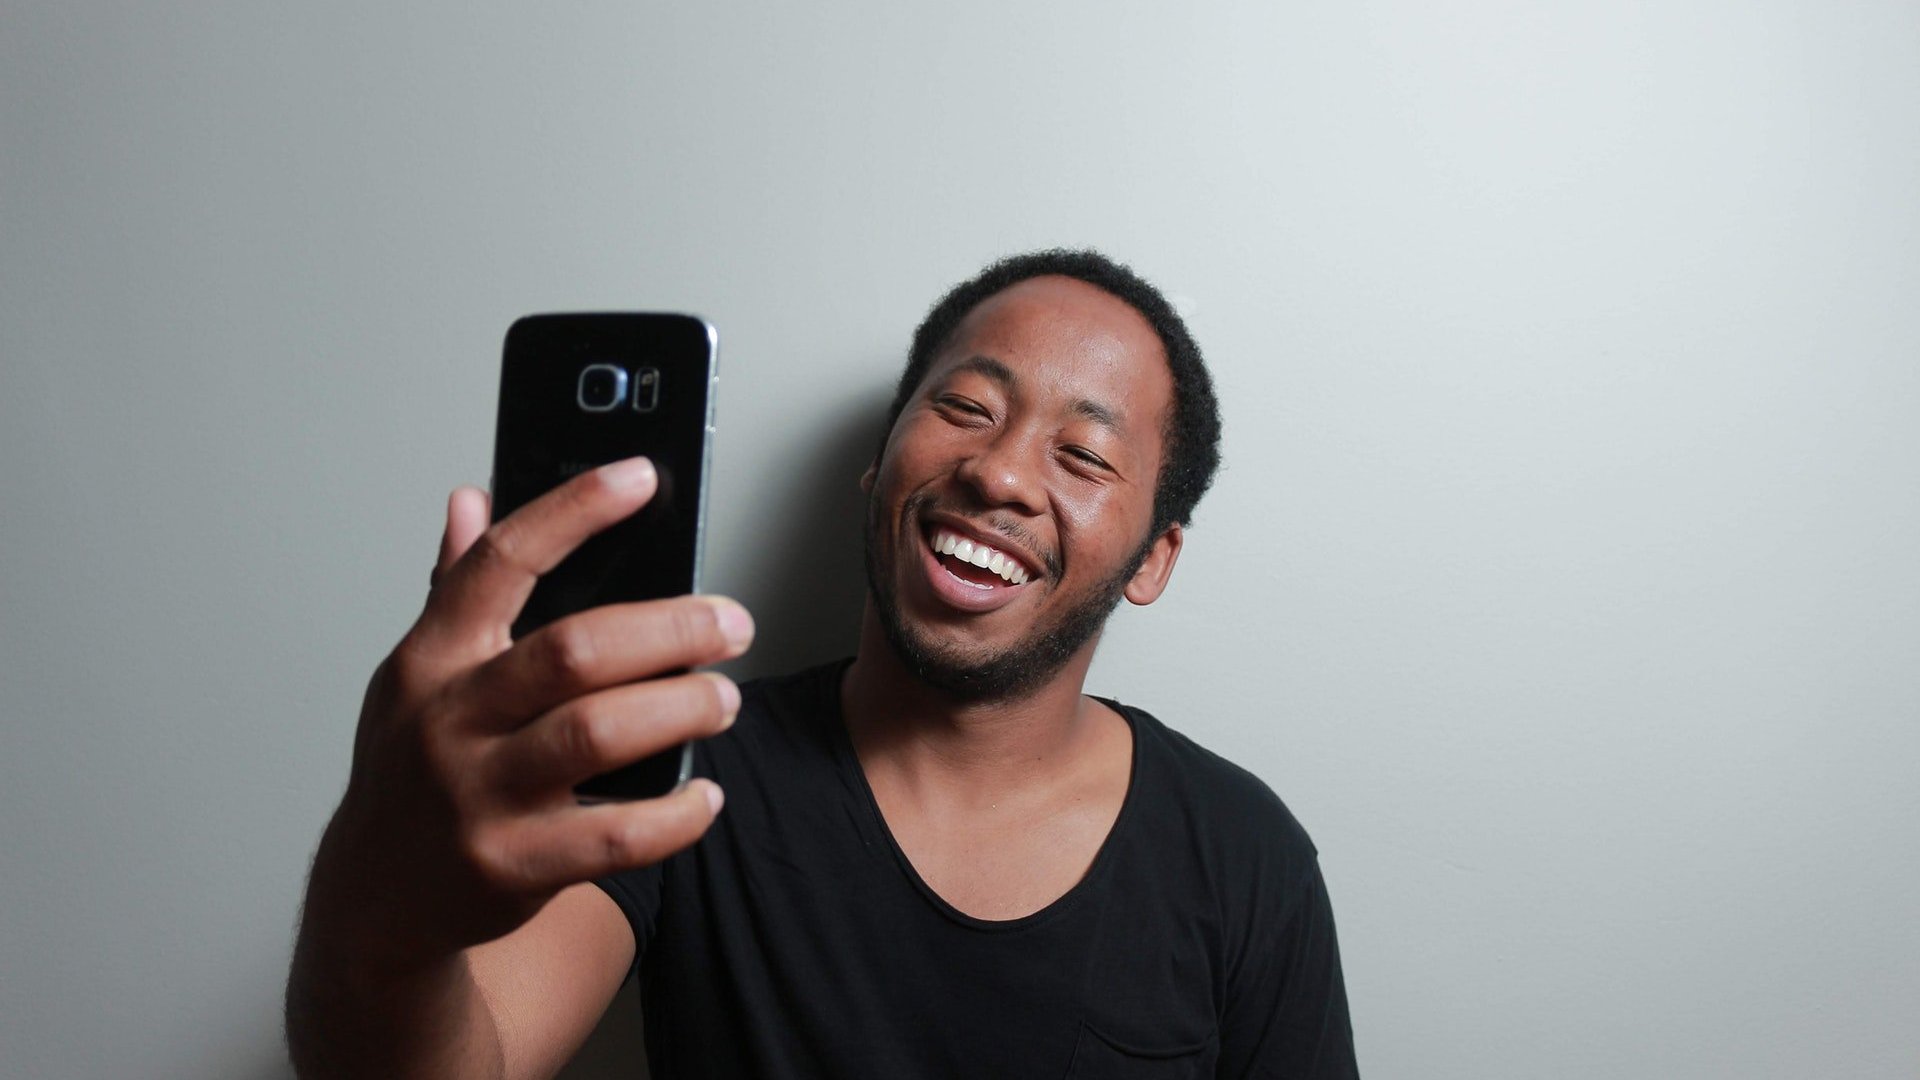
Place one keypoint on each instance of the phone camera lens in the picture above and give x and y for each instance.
(602, 387)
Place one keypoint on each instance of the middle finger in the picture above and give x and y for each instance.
(602, 647)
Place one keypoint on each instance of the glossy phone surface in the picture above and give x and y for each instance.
(579, 391)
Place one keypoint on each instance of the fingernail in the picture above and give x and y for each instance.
(735, 624)
(729, 699)
(715, 797)
(629, 474)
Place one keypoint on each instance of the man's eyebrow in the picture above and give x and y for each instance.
(1097, 413)
(1002, 374)
(991, 368)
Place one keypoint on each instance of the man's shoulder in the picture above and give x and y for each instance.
(1222, 800)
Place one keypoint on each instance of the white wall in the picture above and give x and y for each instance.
(1562, 576)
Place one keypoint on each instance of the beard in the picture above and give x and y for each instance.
(976, 675)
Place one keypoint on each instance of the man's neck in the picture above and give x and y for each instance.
(948, 749)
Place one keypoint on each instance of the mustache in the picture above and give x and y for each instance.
(919, 505)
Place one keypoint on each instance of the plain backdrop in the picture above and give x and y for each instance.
(1562, 576)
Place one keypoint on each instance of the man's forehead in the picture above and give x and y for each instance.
(1056, 327)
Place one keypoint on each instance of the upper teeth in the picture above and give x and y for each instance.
(972, 551)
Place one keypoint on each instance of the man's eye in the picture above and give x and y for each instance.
(1088, 456)
(961, 404)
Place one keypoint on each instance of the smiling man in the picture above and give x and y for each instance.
(941, 858)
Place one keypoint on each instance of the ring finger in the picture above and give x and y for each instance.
(601, 731)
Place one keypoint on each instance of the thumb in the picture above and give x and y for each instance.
(468, 509)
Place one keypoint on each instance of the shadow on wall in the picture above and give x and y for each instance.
(246, 1049)
(803, 581)
(803, 577)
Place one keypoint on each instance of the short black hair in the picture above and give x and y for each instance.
(1191, 451)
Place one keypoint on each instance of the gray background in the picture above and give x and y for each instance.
(1562, 577)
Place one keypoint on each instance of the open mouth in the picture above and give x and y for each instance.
(980, 565)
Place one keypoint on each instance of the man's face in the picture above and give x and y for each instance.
(1033, 444)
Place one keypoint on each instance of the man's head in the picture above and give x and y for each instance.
(1192, 434)
(1055, 410)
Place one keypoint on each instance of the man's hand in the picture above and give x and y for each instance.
(460, 815)
(459, 823)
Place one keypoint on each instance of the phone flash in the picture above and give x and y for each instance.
(646, 389)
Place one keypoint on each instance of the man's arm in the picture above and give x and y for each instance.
(548, 983)
(519, 1007)
(448, 929)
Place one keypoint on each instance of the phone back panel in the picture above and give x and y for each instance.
(564, 411)
(579, 391)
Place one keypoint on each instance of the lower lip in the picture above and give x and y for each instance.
(959, 593)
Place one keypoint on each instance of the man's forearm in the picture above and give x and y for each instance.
(354, 1010)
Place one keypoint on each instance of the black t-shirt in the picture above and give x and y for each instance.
(796, 940)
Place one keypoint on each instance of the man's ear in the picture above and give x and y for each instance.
(1150, 580)
(866, 478)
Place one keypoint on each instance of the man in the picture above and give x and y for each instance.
(941, 858)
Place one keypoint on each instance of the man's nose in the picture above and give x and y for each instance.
(1006, 472)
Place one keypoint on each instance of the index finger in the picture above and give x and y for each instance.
(485, 590)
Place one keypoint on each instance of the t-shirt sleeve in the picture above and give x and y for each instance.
(1286, 1007)
(638, 894)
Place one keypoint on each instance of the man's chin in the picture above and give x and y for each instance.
(967, 676)
(940, 657)
(972, 673)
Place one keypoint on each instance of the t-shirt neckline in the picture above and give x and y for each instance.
(849, 763)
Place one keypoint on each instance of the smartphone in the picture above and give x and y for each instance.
(576, 392)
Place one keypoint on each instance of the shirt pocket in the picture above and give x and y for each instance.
(1099, 1056)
